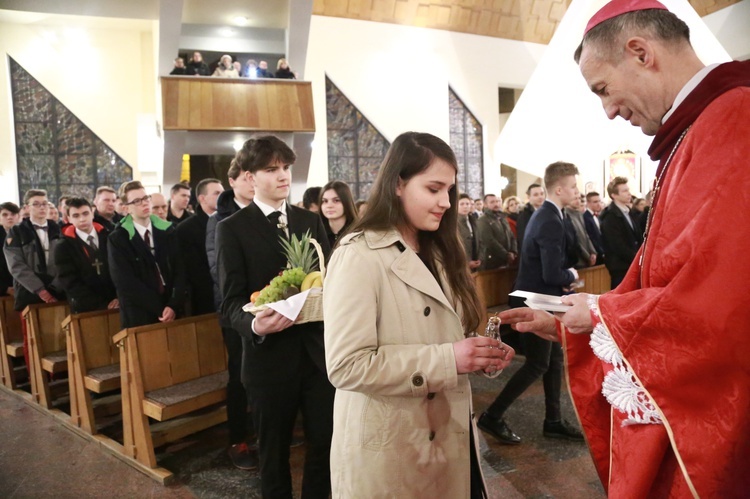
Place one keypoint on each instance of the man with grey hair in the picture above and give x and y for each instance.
(657, 368)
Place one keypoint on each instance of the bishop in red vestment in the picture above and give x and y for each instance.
(661, 383)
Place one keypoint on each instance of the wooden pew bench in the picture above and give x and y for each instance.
(11, 342)
(47, 348)
(93, 366)
(174, 373)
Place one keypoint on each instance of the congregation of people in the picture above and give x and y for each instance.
(226, 67)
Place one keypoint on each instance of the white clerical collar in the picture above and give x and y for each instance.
(556, 207)
(143, 228)
(267, 210)
(84, 236)
(687, 89)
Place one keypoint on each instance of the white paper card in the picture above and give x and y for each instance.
(289, 308)
(539, 301)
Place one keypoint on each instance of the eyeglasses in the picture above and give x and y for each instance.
(38, 204)
(142, 200)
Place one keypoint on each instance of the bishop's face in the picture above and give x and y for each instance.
(626, 88)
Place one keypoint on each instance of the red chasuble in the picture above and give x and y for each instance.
(682, 324)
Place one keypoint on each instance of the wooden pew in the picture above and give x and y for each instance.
(493, 287)
(596, 280)
(169, 371)
(11, 341)
(93, 364)
(47, 351)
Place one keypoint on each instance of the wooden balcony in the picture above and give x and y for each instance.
(237, 104)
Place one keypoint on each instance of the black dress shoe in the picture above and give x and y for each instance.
(498, 428)
(562, 429)
(243, 457)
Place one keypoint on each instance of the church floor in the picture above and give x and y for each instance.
(40, 458)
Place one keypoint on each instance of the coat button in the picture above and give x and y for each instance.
(432, 436)
(426, 311)
(430, 396)
(417, 381)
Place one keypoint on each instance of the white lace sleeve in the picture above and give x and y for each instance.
(620, 387)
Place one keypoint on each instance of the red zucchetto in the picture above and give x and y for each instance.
(619, 7)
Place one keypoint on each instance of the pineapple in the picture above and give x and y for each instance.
(300, 253)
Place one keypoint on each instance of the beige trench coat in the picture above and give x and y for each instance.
(402, 414)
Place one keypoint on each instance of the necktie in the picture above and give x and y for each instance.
(92, 242)
(40, 227)
(159, 277)
(274, 218)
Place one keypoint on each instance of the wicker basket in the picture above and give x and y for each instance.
(312, 310)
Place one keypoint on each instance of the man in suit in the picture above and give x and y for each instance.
(240, 425)
(591, 221)
(543, 270)
(179, 199)
(497, 244)
(81, 260)
(9, 215)
(581, 250)
(105, 213)
(192, 235)
(27, 249)
(534, 199)
(284, 364)
(621, 235)
(467, 230)
(145, 262)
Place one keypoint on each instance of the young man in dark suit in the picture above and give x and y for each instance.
(82, 263)
(591, 221)
(621, 234)
(145, 263)
(9, 215)
(192, 234)
(535, 197)
(545, 268)
(28, 249)
(284, 363)
(240, 426)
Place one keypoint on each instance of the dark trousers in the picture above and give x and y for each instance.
(543, 358)
(240, 425)
(275, 409)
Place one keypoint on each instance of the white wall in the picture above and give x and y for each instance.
(398, 76)
(104, 76)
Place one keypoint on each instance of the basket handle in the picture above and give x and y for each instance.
(321, 260)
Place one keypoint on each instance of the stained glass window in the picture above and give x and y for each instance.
(466, 142)
(355, 147)
(54, 149)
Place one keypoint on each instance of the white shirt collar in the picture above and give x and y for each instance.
(267, 210)
(687, 89)
(623, 208)
(556, 207)
(143, 228)
(238, 204)
(85, 237)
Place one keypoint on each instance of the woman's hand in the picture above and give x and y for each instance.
(479, 353)
(527, 320)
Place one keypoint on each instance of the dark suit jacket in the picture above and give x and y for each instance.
(621, 241)
(87, 289)
(593, 231)
(136, 276)
(110, 226)
(522, 222)
(249, 255)
(468, 237)
(192, 234)
(495, 239)
(6, 279)
(544, 263)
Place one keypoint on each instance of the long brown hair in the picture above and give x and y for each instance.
(409, 155)
(345, 195)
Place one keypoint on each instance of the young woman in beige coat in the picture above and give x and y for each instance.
(398, 303)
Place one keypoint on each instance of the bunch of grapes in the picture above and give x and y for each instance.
(275, 289)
